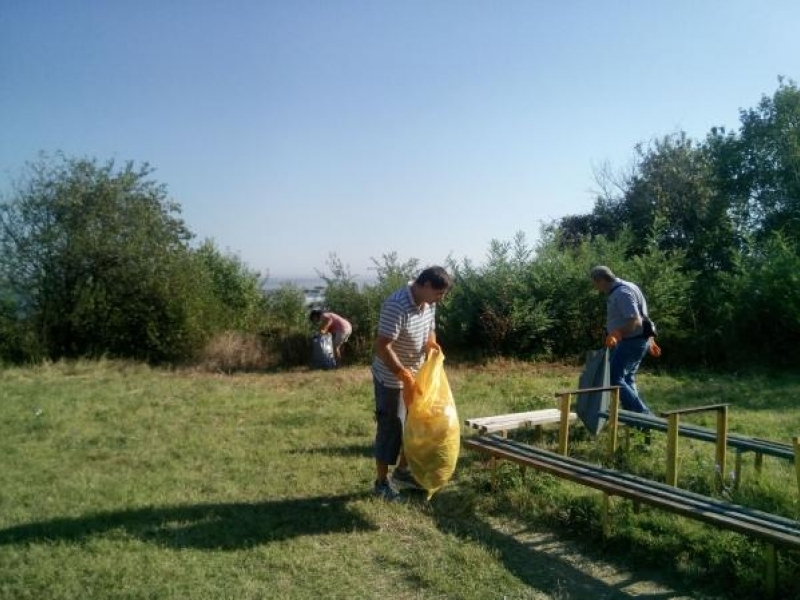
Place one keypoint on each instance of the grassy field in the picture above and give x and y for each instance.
(121, 481)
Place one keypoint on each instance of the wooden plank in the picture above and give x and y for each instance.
(516, 420)
(545, 412)
(511, 425)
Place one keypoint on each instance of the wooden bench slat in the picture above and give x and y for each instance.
(512, 421)
(531, 413)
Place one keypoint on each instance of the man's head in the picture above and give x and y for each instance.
(431, 285)
(602, 277)
(315, 315)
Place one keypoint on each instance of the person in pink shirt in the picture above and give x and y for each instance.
(339, 328)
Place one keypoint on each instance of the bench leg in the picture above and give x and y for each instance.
(613, 423)
(564, 403)
(672, 449)
(606, 516)
(504, 434)
(737, 470)
(796, 444)
(722, 444)
(759, 462)
(537, 434)
(770, 580)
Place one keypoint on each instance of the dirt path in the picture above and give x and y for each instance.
(562, 570)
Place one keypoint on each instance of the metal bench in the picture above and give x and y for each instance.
(773, 530)
(512, 421)
(670, 423)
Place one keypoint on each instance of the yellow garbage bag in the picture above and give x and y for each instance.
(432, 433)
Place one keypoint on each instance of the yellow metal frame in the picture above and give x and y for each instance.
(796, 444)
(673, 429)
(564, 400)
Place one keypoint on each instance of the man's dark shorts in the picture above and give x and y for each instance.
(389, 436)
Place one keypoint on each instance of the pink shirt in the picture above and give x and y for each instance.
(337, 323)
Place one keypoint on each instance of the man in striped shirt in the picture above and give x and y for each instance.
(406, 330)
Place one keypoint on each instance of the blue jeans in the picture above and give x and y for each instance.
(623, 365)
(389, 416)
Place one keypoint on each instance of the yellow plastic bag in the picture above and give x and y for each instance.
(432, 433)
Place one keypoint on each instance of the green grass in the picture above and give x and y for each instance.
(121, 481)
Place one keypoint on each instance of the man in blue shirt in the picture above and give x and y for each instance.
(626, 308)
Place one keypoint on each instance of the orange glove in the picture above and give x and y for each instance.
(613, 338)
(433, 346)
(653, 348)
(409, 386)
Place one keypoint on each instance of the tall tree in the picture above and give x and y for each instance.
(97, 259)
(769, 153)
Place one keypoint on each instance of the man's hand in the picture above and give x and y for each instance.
(613, 338)
(433, 346)
(653, 348)
(409, 386)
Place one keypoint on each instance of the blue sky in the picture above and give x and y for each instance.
(291, 130)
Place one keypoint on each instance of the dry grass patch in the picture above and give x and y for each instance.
(232, 351)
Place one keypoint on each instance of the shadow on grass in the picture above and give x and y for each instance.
(347, 451)
(547, 562)
(230, 526)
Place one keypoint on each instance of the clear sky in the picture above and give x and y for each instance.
(291, 130)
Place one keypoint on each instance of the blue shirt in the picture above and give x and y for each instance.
(625, 302)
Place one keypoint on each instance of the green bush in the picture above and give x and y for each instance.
(361, 304)
(95, 261)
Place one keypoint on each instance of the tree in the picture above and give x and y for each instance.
(769, 161)
(97, 260)
(237, 291)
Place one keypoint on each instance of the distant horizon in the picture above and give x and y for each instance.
(305, 282)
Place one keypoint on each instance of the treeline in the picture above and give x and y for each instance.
(96, 261)
(710, 229)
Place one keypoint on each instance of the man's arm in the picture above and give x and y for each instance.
(630, 326)
(625, 330)
(327, 321)
(627, 303)
(431, 343)
(384, 351)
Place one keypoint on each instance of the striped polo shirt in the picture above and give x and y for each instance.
(409, 326)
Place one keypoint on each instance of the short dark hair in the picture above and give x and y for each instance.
(602, 272)
(315, 315)
(437, 277)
